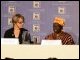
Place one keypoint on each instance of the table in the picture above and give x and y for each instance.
(40, 51)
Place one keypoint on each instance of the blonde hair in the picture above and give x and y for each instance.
(16, 17)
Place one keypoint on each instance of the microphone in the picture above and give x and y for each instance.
(35, 40)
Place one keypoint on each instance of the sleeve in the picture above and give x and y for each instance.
(6, 34)
(27, 38)
(69, 41)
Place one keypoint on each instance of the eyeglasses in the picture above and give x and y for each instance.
(20, 22)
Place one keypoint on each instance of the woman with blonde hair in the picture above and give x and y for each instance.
(17, 31)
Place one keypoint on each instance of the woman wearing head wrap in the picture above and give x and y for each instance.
(58, 24)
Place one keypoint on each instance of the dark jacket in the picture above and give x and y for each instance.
(24, 36)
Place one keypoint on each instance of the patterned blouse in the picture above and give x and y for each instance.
(65, 37)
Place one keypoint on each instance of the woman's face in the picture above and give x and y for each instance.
(19, 23)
